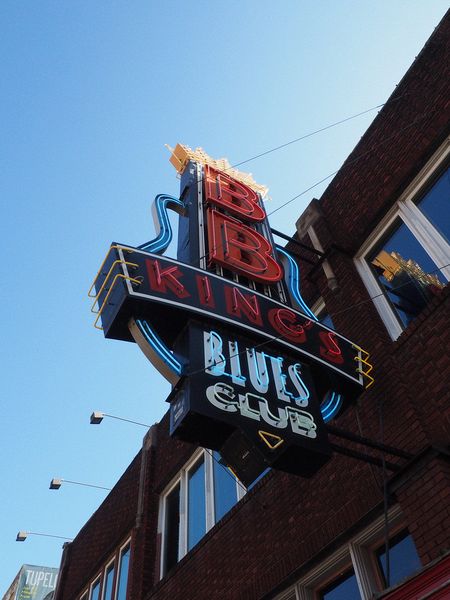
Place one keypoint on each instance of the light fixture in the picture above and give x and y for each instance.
(56, 483)
(22, 536)
(97, 418)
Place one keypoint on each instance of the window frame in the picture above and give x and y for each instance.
(359, 554)
(115, 560)
(119, 564)
(105, 573)
(184, 491)
(431, 240)
(376, 547)
(97, 579)
(182, 479)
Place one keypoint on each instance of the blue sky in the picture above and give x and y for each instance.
(91, 92)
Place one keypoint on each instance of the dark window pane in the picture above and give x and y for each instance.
(109, 581)
(123, 573)
(172, 528)
(196, 504)
(403, 559)
(225, 494)
(435, 205)
(344, 588)
(405, 272)
(95, 592)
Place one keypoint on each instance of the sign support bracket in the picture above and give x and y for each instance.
(353, 437)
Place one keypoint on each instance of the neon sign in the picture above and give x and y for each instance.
(226, 324)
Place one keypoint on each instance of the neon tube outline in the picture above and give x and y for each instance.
(159, 347)
(293, 281)
(162, 224)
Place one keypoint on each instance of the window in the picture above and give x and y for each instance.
(403, 558)
(406, 262)
(108, 583)
(204, 491)
(356, 570)
(405, 272)
(172, 527)
(95, 590)
(343, 588)
(122, 582)
(435, 204)
(225, 492)
(196, 494)
(107, 575)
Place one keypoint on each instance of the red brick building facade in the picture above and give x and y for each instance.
(381, 272)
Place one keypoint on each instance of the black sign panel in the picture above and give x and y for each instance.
(250, 369)
(257, 407)
(162, 290)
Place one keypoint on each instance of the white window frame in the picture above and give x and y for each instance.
(96, 580)
(105, 573)
(119, 564)
(116, 560)
(357, 554)
(426, 234)
(182, 479)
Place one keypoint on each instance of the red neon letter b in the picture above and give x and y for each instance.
(236, 197)
(239, 248)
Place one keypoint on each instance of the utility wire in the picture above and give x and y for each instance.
(345, 165)
(354, 160)
(311, 133)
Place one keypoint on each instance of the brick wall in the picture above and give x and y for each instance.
(101, 535)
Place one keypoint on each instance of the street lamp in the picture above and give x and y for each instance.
(56, 483)
(22, 536)
(98, 416)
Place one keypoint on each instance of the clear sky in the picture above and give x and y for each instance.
(90, 92)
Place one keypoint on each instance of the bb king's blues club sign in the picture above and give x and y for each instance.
(254, 374)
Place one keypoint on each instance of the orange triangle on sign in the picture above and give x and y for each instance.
(271, 440)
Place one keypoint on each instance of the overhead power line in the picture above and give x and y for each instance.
(310, 134)
(353, 160)
(315, 132)
(347, 164)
